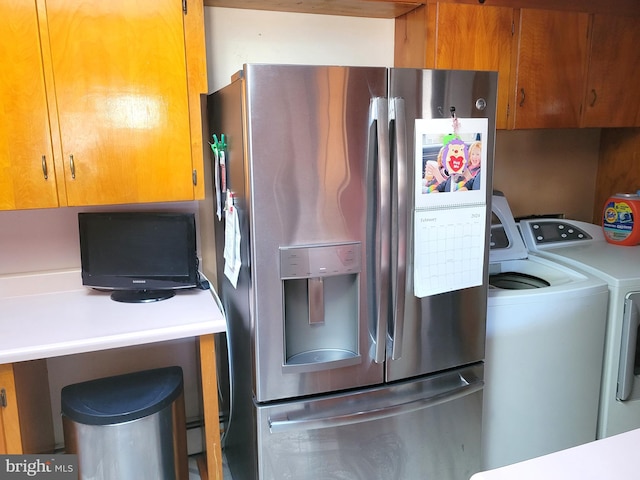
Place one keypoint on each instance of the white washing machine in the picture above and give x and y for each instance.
(582, 245)
(545, 338)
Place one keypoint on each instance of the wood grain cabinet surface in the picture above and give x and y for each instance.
(354, 8)
(612, 96)
(26, 424)
(27, 176)
(107, 108)
(557, 68)
(550, 68)
(459, 37)
(473, 38)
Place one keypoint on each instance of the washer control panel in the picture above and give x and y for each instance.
(557, 231)
(547, 233)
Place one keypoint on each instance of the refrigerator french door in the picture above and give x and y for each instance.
(322, 317)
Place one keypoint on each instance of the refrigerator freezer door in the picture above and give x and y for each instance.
(446, 330)
(423, 429)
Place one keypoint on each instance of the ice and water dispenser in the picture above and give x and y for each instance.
(320, 305)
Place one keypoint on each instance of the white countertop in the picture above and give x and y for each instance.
(612, 457)
(49, 314)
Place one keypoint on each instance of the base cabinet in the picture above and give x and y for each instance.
(26, 424)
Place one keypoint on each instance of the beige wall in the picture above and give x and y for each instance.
(237, 36)
(548, 171)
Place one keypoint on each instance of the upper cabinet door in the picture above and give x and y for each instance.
(612, 96)
(27, 176)
(551, 67)
(121, 93)
(471, 37)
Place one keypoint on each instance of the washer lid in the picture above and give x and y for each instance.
(506, 242)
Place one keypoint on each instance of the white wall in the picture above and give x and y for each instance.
(47, 239)
(236, 36)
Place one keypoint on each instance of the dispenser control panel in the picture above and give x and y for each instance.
(320, 260)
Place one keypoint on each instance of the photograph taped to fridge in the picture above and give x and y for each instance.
(448, 162)
(450, 204)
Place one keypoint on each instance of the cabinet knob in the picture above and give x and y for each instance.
(594, 97)
(3, 398)
(522, 96)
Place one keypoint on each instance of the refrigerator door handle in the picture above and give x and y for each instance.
(379, 112)
(630, 323)
(359, 414)
(401, 174)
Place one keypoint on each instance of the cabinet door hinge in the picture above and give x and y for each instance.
(3, 398)
(184, 6)
(194, 177)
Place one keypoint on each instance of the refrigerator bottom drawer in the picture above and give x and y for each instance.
(428, 428)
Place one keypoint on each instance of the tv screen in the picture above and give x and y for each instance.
(142, 256)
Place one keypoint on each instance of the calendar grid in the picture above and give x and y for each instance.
(449, 249)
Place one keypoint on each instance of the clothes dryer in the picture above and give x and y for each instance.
(545, 337)
(582, 245)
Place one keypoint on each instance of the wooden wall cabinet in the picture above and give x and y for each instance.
(27, 175)
(459, 37)
(557, 68)
(612, 97)
(26, 424)
(473, 38)
(550, 68)
(115, 117)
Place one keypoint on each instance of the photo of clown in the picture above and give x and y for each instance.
(457, 167)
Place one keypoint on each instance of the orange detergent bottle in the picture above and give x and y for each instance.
(621, 219)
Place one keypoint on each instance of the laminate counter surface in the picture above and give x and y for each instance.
(48, 314)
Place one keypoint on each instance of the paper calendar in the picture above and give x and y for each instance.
(450, 204)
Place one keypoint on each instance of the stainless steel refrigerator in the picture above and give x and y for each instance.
(338, 370)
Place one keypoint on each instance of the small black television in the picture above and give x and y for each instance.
(141, 256)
